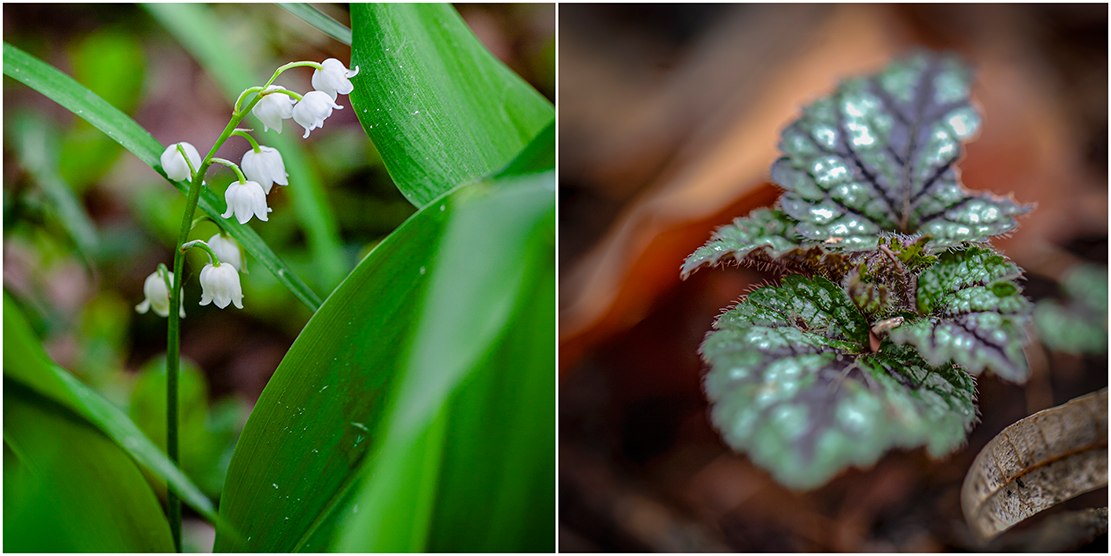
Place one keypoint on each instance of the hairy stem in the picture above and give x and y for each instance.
(909, 281)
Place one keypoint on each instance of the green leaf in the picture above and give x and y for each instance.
(68, 488)
(76, 98)
(880, 154)
(537, 156)
(26, 362)
(320, 20)
(1080, 324)
(506, 408)
(764, 233)
(975, 314)
(513, 226)
(203, 35)
(794, 385)
(379, 369)
(439, 107)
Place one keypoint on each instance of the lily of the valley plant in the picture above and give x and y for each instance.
(894, 302)
(261, 167)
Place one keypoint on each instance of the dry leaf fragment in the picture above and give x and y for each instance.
(1046, 458)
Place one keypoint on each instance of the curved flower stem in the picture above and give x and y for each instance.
(277, 72)
(199, 243)
(233, 166)
(173, 335)
(291, 65)
(245, 133)
(292, 94)
(243, 94)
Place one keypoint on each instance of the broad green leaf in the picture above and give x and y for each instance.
(379, 366)
(537, 156)
(974, 314)
(794, 384)
(1080, 324)
(76, 98)
(506, 408)
(203, 35)
(880, 154)
(26, 362)
(439, 107)
(457, 340)
(763, 232)
(68, 487)
(320, 20)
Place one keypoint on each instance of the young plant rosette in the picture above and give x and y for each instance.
(893, 300)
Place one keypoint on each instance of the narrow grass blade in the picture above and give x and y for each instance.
(322, 21)
(36, 144)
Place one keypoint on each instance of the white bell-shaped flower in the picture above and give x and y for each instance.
(313, 109)
(265, 167)
(174, 164)
(220, 285)
(157, 295)
(246, 199)
(273, 108)
(227, 250)
(334, 78)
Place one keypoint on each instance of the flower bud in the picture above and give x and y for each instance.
(227, 250)
(220, 284)
(273, 108)
(157, 295)
(265, 167)
(312, 110)
(333, 78)
(246, 199)
(174, 164)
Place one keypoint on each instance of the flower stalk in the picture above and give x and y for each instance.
(173, 334)
(262, 168)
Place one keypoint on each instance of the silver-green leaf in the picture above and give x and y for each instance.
(795, 385)
(880, 154)
(974, 314)
(762, 232)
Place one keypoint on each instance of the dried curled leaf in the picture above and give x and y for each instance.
(1044, 459)
(975, 313)
(880, 155)
(795, 385)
